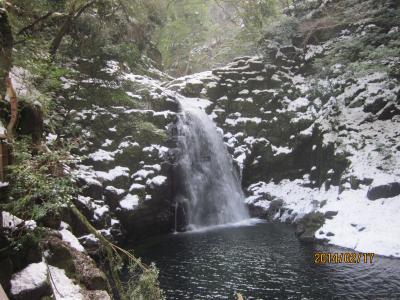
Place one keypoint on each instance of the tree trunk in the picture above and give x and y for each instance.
(55, 44)
(13, 109)
(6, 45)
(7, 148)
(66, 26)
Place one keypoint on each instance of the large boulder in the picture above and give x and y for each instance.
(384, 191)
(30, 283)
(65, 252)
(308, 225)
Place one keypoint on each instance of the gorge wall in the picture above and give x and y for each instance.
(315, 139)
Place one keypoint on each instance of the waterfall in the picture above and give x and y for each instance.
(210, 185)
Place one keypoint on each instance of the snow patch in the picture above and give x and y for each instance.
(129, 202)
(68, 237)
(30, 278)
(63, 287)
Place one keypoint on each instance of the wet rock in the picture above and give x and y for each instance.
(358, 102)
(376, 105)
(149, 219)
(384, 191)
(87, 272)
(59, 253)
(274, 207)
(289, 51)
(256, 65)
(97, 295)
(62, 255)
(389, 112)
(193, 88)
(90, 242)
(330, 214)
(28, 253)
(308, 225)
(91, 188)
(113, 196)
(6, 272)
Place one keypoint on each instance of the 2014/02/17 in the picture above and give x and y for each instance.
(322, 258)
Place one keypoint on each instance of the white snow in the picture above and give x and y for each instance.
(11, 222)
(313, 50)
(112, 67)
(129, 202)
(114, 222)
(63, 287)
(136, 187)
(22, 81)
(364, 225)
(361, 224)
(84, 200)
(157, 181)
(103, 155)
(113, 173)
(161, 150)
(127, 144)
(32, 277)
(281, 150)
(298, 104)
(50, 138)
(67, 83)
(64, 225)
(394, 30)
(155, 167)
(142, 174)
(100, 211)
(3, 184)
(114, 190)
(90, 237)
(199, 102)
(68, 237)
(132, 95)
(107, 143)
(243, 120)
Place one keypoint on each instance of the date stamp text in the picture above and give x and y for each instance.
(323, 258)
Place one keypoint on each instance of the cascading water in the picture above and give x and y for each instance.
(211, 188)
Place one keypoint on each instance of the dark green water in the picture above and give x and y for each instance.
(263, 261)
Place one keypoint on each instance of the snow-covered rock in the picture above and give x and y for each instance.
(72, 240)
(129, 202)
(63, 287)
(31, 282)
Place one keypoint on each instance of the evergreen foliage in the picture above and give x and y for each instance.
(41, 184)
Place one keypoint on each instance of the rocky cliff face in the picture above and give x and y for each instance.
(123, 160)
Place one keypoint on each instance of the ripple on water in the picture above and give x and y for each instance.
(262, 261)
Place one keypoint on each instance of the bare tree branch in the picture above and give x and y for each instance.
(30, 27)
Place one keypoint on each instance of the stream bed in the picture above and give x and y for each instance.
(262, 261)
